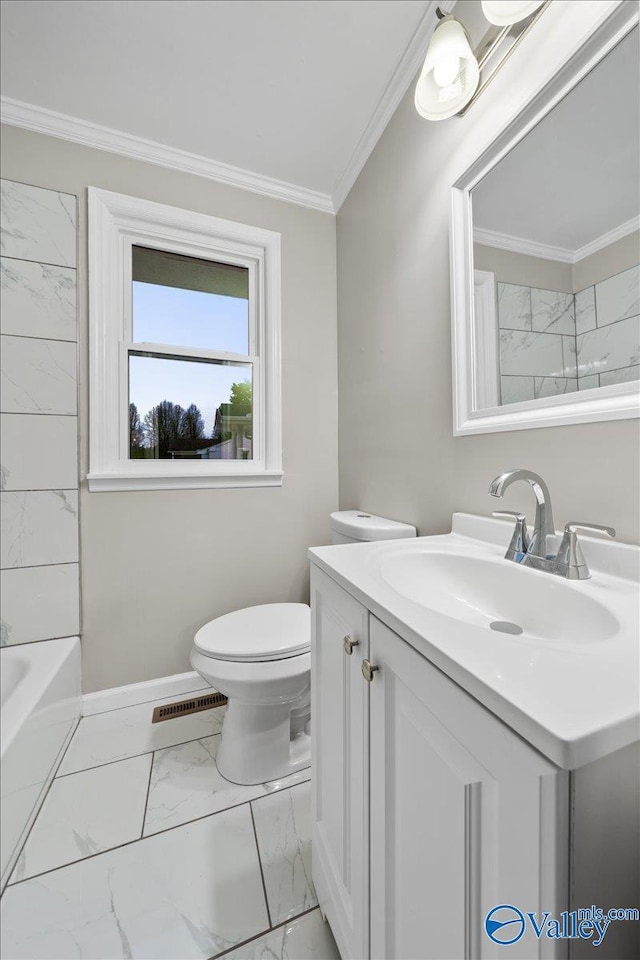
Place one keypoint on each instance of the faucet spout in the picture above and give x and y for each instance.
(544, 525)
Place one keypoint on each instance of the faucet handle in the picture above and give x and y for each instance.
(519, 545)
(569, 553)
(596, 527)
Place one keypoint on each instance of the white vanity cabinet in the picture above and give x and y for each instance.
(464, 816)
(429, 811)
(457, 768)
(340, 751)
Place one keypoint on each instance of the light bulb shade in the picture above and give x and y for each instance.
(505, 12)
(451, 60)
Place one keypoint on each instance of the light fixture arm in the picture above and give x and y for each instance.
(490, 44)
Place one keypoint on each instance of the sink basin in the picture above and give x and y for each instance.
(500, 596)
(557, 660)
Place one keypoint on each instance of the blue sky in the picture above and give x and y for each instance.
(186, 318)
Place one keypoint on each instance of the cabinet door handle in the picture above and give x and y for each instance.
(368, 670)
(349, 644)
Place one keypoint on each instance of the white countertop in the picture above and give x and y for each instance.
(575, 702)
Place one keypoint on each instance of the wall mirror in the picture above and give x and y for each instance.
(545, 251)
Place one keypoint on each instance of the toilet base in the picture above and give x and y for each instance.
(300, 760)
(257, 745)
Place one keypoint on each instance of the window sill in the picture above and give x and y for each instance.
(114, 482)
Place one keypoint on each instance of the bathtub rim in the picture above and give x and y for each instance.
(48, 655)
(53, 662)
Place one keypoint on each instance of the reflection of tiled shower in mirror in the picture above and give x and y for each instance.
(563, 251)
(554, 342)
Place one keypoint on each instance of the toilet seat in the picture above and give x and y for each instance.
(269, 631)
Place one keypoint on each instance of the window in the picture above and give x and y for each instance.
(198, 404)
(184, 348)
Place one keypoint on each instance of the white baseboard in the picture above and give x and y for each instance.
(178, 685)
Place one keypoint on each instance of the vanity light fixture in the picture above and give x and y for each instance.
(450, 75)
(454, 74)
(503, 13)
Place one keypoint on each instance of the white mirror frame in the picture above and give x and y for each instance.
(471, 355)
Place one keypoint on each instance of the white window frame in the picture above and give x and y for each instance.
(116, 223)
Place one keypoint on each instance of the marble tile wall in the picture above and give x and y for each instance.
(537, 330)
(608, 331)
(553, 343)
(38, 408)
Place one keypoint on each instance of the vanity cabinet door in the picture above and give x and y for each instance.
(465, 816)
(340, 748)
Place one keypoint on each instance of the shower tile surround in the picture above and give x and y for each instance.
(155, 854)
(38, 409)
(553, 343)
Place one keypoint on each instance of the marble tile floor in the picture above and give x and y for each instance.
(143, 850)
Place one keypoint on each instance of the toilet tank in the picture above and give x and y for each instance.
(355, 526)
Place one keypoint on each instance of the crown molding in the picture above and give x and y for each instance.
(530, 248)
(17, 113)
(30, 117)
(412, 60)
(607, 238)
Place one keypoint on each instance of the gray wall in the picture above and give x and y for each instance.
(510, 267)
(398, 456)
(529, 271)
(618, 256)
(156, 565)
(39, 582)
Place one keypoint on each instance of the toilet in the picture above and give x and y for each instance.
(259, 658)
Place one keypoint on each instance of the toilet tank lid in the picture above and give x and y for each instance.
(270, 631)
(366, 526)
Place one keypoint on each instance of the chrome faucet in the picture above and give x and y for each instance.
(543, 526)
(567, 561)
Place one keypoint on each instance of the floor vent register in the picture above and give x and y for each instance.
(182, 707)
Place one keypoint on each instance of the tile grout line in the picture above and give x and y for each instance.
(29, 336)
(547, 333)
(37, 490)
(611, 323)
(107, 763)
(44, 490)
(264, 886)
(34, 413)
(39, 566)
(149, 836)
(37, 816)
(146, 799)
(43, 263)
(258, 936)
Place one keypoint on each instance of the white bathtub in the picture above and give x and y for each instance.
(39, 710)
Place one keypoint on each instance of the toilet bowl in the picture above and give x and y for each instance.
(259, 659)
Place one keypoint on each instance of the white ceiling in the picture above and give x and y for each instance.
(576, 175)
(283, 88)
